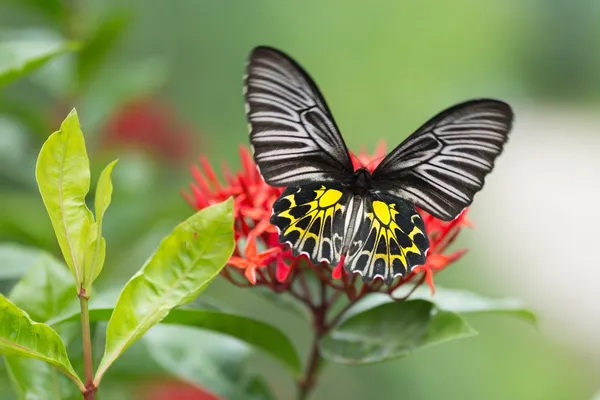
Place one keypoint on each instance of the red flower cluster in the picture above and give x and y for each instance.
(264, 261)
(149, 125)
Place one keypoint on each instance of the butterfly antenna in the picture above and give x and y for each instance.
(375, 160)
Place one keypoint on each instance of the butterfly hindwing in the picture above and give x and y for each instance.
(292, 132)
(390, 238)
(441, 166)
(311, 219)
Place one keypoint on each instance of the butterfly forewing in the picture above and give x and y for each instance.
(389, 241)
(292, 132)
(443, 164)
(311, 219)
(326, 212)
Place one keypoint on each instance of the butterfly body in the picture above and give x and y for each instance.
(331, 212)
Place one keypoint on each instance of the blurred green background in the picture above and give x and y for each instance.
(158, 83)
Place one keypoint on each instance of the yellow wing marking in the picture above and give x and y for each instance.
(384, 223)
(323, 205)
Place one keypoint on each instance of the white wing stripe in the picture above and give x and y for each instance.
(443, 164)
(293, 136)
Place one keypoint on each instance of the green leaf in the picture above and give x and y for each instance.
(23, 218)
(258, 389)
(35, 380)
(45, 290)
(465, 302)
(260, 335)
(457, 301)
(16, 260)
(97, 250)
(199, 358)
(20, 336)
(24, 51)
(185, 262)
(53, 9)
(392, 330)
(99, 43)
(63, 176)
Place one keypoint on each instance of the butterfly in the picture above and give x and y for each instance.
(369, 221)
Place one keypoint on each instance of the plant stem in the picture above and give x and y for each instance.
(308, 381)
(90, 393)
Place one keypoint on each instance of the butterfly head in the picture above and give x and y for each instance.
(361, 181)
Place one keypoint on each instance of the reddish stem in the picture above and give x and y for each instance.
(308, 380)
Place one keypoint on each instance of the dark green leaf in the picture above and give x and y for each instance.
(16, 161)
(24, 218)
(46, 289)
(35, 380)
(465, 302)
(53, 9)
(21, 337)
(16, 260)
(258, 334)
(392, 330)
(199, 357)
(185, 262)
(457, 301)
(258, 389)
(24, 51)
(99, 44)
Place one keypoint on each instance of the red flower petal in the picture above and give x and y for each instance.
(251, 275)
(338, 270)
(238, 262)
(282, 271)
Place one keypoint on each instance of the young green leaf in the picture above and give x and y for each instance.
(94, 258)
(20, 336)
(185, 262)
(63, 176)
(392, 330)
(24, 51)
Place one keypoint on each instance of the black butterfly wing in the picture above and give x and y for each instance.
(441, 166)
(294, 137)
(311, 219)
(389, 238)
